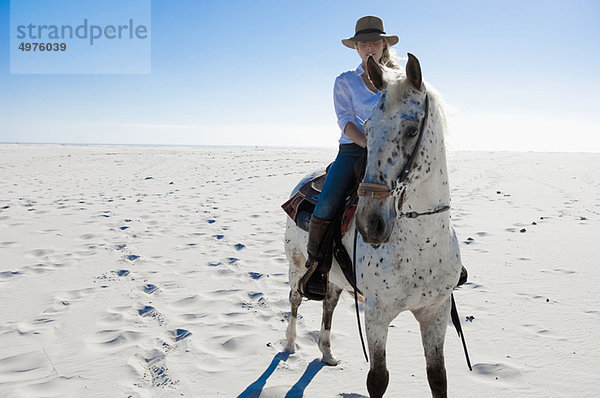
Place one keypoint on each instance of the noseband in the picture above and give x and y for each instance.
(398, 189)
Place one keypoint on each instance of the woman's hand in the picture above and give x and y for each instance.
(355, 135)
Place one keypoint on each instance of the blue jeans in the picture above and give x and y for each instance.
(340, 178)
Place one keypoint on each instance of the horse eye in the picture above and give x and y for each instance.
(412, 131)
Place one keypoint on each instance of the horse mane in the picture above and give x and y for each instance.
(437, 101)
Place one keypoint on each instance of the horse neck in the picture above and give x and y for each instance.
(433, 191)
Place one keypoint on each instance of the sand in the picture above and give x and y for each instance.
(132, 271)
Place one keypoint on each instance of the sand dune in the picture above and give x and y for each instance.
(160, 272)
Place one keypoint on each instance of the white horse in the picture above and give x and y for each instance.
(408, 257)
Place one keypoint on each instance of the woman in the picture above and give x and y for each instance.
(354, 97)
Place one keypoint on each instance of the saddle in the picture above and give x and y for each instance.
(301, 206)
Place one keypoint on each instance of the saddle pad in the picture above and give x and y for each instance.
(348, 215)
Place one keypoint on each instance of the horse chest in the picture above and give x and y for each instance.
(416, 271)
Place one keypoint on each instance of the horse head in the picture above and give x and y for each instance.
(401, 139)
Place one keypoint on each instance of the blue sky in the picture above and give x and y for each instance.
(517, 75)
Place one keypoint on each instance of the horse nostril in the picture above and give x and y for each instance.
(376, 225)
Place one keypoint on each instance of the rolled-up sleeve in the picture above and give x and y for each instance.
(342, 103)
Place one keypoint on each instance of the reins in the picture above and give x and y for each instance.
(414, 214)
(398, 189)
(362, 339)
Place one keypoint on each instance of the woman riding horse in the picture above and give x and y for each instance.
(354, 97)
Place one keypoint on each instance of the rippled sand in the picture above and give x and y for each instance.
(160, 271)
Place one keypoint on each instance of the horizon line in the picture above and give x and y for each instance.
(263, 146)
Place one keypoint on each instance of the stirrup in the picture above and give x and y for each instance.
(309, 275)
(316, 287)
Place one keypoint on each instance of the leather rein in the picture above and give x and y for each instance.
(398, 189)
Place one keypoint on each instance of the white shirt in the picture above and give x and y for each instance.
(352, 100)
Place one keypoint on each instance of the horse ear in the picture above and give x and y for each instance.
(413, 71)
(375, 73)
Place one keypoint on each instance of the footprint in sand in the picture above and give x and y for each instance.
(261, 302)
(149, 288)
(151, 312)
(156, 372)
(180, 334)
(147, 311)
(255, 275)
(112, 276)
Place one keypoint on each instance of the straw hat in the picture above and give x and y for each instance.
(369, 28)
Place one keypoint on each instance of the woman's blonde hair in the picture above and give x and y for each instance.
(389, 57)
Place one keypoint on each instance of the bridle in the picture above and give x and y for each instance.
(398, 188)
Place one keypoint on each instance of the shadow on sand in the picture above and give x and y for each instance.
(297, 391)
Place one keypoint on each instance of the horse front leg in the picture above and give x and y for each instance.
(433, 322)
(329, 304)
(377, 324)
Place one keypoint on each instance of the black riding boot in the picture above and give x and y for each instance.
(313, 284)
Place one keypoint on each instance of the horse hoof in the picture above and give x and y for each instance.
(377, 382)
(329, 361)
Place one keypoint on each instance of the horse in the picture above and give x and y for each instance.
(407, 254)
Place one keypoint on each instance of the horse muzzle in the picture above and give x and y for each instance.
(374, 226)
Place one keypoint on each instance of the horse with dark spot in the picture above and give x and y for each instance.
(410, 204)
